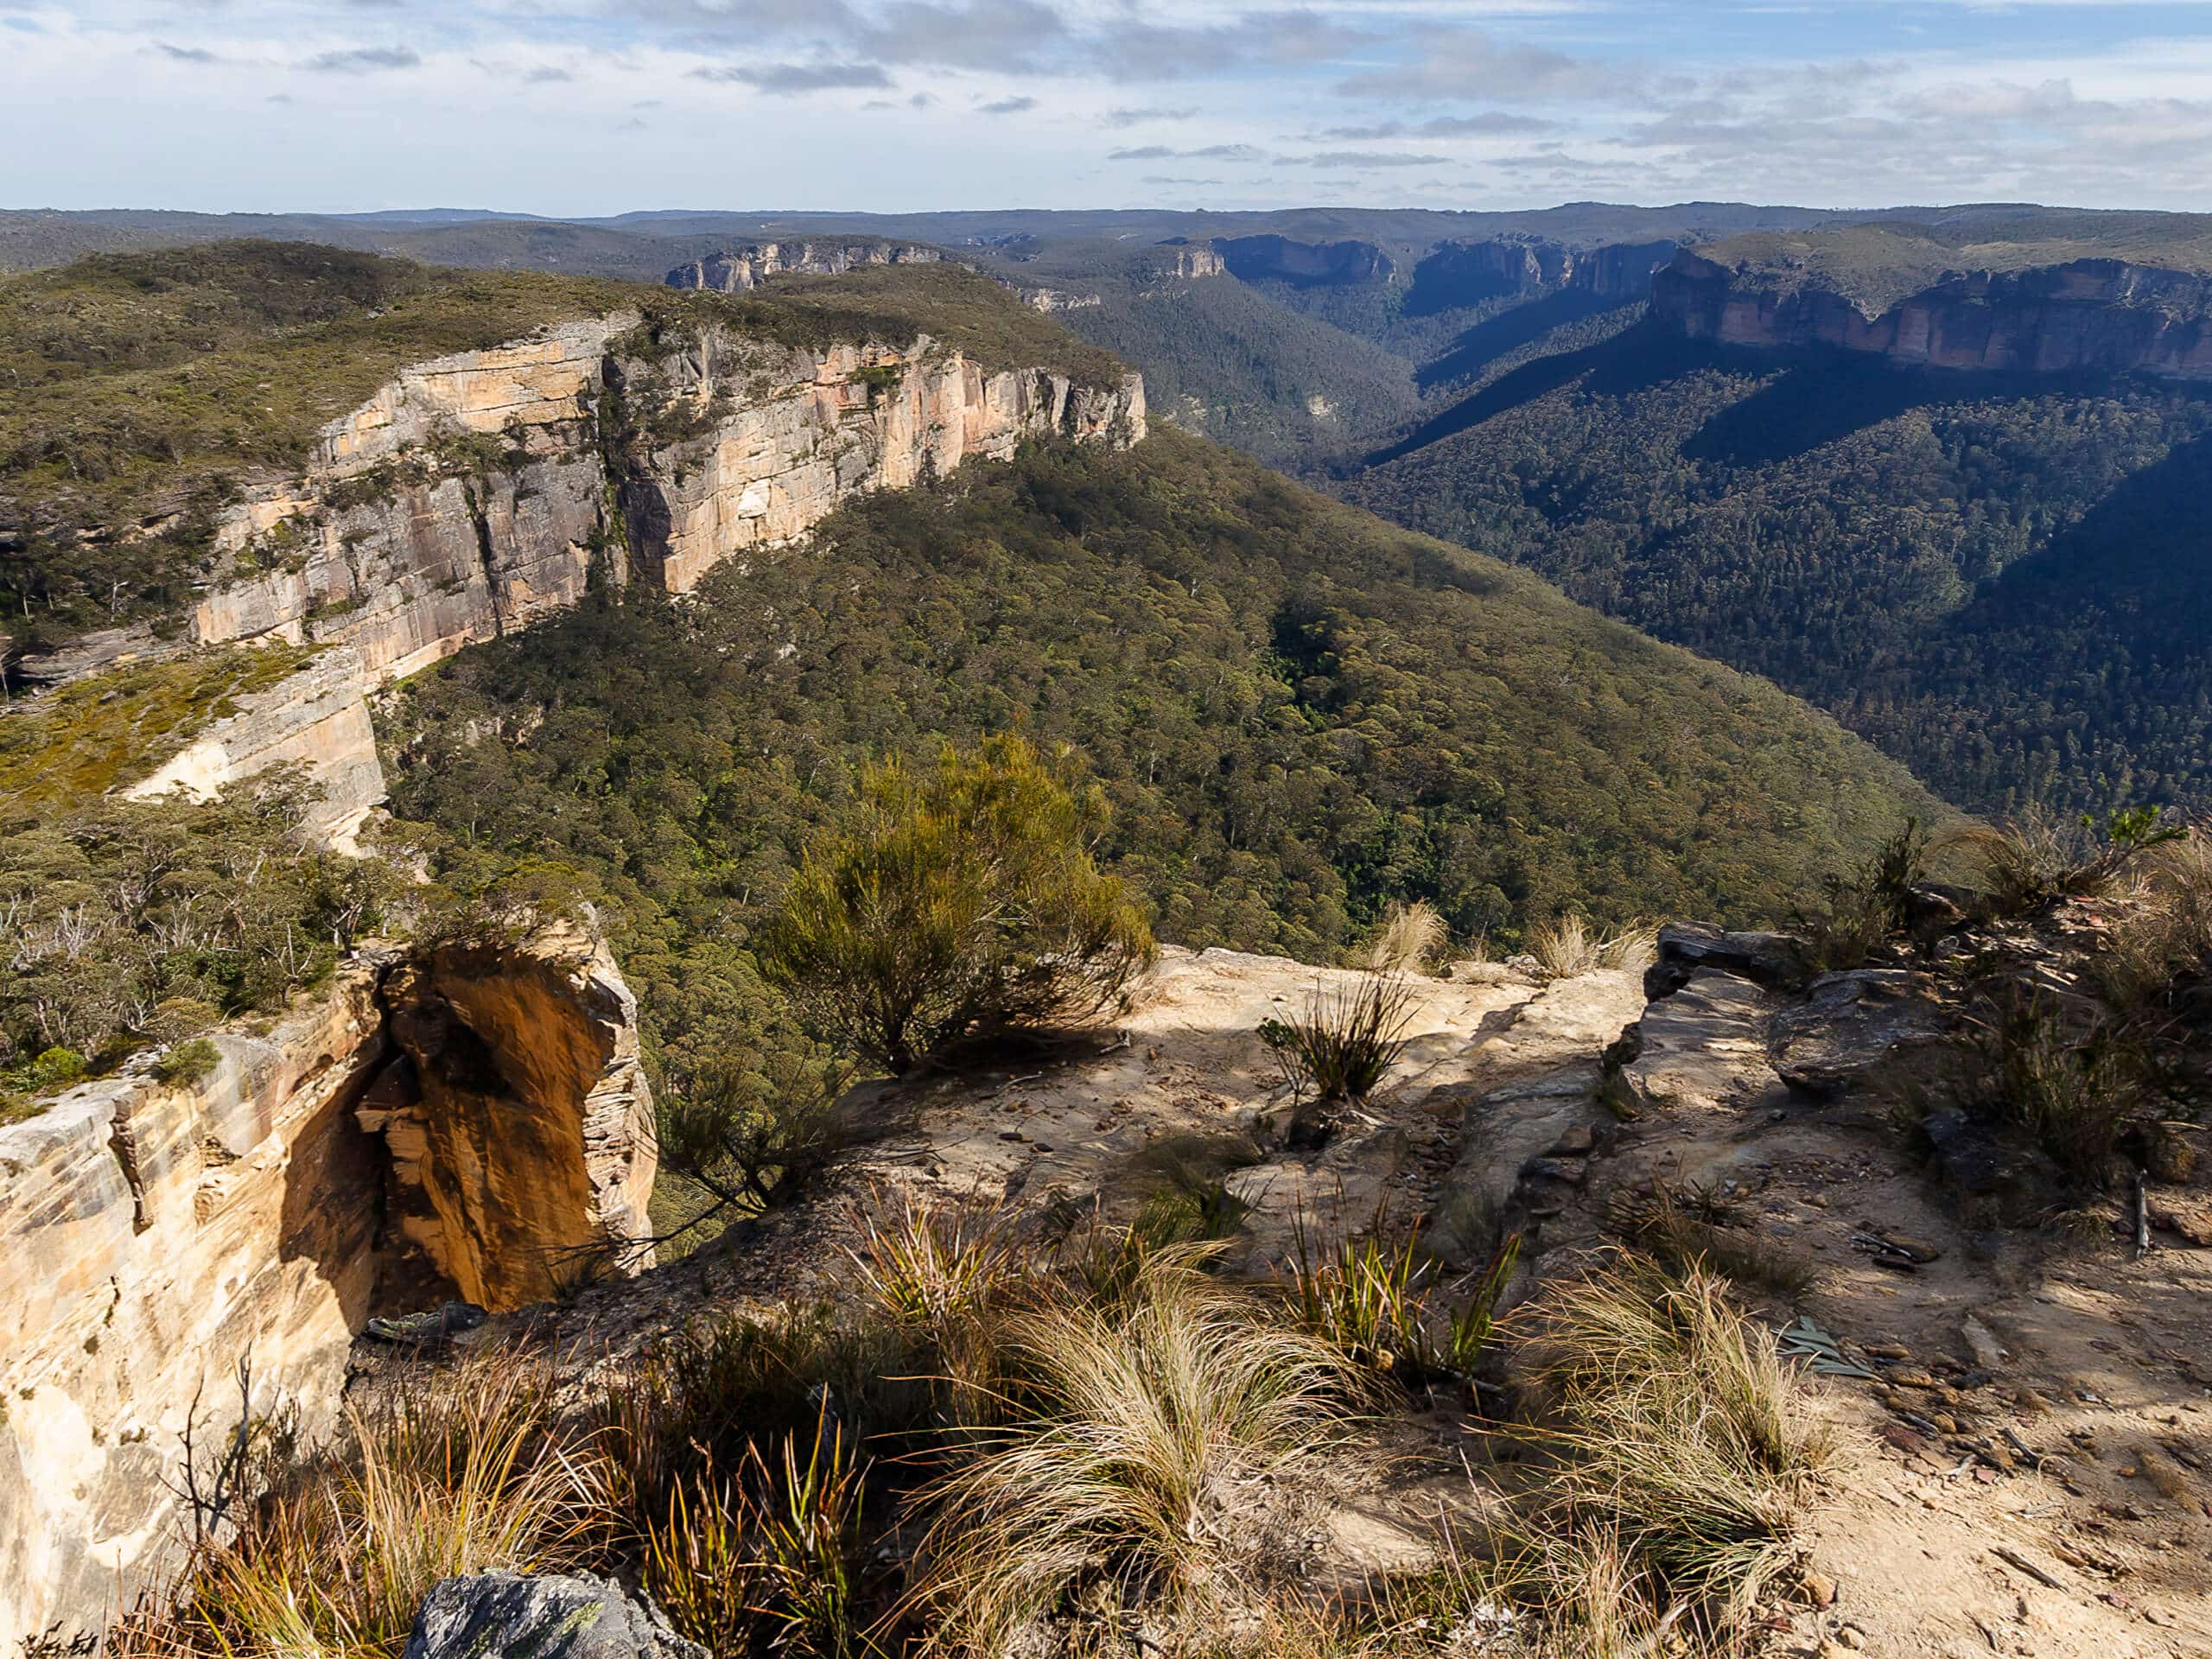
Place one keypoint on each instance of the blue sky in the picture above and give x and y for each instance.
(599, 106)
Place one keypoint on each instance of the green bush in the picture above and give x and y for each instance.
(187, 1063)
(961, 902)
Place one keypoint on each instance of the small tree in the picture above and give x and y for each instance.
(960, 902)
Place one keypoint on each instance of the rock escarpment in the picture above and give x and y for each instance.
(1471, 272)
(478, 491)
(2094, 315)
(741, 270)
(1304, 264)
(154, 1234)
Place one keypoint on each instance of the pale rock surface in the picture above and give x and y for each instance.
(402, 547)
(153, 1236)
(503, 1615)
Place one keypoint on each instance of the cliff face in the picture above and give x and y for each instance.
(1262, 259)
(478, 491)
(154, 1235)
(743, 269)
(2101, 314)
(1468, 273)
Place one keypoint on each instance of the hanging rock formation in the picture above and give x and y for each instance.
(467, 1120)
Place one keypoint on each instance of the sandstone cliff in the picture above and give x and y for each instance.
(741, 269)
(1471, 272)
(2096, 314)
(154, 1234)
(477, 492)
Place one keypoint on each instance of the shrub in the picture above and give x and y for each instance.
(1679, 1429)
(962, 902)
(744, 1147)
(2073, 1083)
(1867, 908)
(1131, 1426)
(186, 1064)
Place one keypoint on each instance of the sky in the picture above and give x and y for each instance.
(571, 108)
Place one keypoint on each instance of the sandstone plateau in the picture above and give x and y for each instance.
(477, 492)
(2086, 314)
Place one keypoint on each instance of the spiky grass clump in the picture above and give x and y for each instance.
(1680, 1430)
(773, 1555)
(1376, 1303)
(1346, 1041)
(1126, 1427)
(335, 1560)
(1410, 938)
(1569, 947)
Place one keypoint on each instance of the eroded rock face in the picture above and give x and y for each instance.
(519, 1119)
(478, 492)
(2087, 315)
(153, 1235)
(741, 269)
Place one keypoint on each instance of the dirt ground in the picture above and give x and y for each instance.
(2027, 1471)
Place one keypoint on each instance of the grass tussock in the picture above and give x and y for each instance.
(1696, 1228)
(1568, 947)
(1679, 1432)
(1346, 1040)
(1133, 1428)
(337, 1555)
(1411, 937)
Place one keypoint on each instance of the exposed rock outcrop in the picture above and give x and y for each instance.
(1194, 264)
(2099, 314)
(154, 1234)
(478, 492)
(1470, 272)
(741, 270)
(541, 1617)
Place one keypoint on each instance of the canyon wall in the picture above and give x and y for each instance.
(477, 492)
(741, 270)
(1467, 273)
(154, 1233)
(2094, 315)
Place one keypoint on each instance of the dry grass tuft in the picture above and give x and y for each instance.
(1695, 1229)
(1132, 1432)
(1679, 1432)
(335, 1560)
(1412, 935)
(1570, 947)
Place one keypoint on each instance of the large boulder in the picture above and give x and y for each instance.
(1854, 1029)
(501, 1615)
(1774, 962)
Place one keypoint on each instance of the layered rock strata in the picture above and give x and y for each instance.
(741, 269)
(480, 1111)
(2094, 315)
(478, 492)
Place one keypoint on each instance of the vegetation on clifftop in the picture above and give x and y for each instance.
(1297, 714)
(145, 389)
